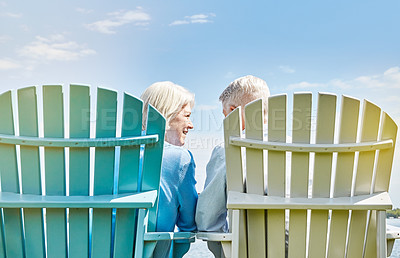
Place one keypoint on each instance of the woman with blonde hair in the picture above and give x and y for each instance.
(178, 195)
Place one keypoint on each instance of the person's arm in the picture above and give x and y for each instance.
(187, 197)
(211, 206)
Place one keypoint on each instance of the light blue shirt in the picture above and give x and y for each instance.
(178, 195)
(211, 206)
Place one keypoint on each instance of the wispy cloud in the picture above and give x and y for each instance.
(286, 69)
(117, 19)
(8, 64)
(389, 79)
(54, 48)
(197, 18)
(12, 15)
(84, 10)
(392, 98)
(230, 75)
(4, 38)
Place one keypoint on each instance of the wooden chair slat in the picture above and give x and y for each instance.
(324, 134)
(322, 173)
(297, 233)
(299, 173)
(365, 167)
(152, 159)
(151, 164)
(30, 171)
(349, 114)
(301, 134)
(79, 160)
(235, 179)
(385, 158)
(254, 121)
(277, 180)
(128, 176)
(382, 179)
(338, 233)
(53, 114)
(277, 133)
(106, 116)
(9, 182)
(276, 233)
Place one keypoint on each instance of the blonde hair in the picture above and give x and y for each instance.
(244, 90)
(168, 98)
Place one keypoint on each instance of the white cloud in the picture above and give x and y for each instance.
(392, 98)
(5, 38)
(286, 69)
(230, 75)
(179, 22)
(390, 79)
(197, 18)
(83, 10)
(25, 27)
(13, 15)
(340, 84)
(8, 64)
(117, 19)
(200, 21)
(54, 48)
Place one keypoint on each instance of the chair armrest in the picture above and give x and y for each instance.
(156, 236)
(377, 201)
(214, 236)
(392, 232)
(136, 200)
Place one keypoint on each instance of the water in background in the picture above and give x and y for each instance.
(396, 247)
(199, 248)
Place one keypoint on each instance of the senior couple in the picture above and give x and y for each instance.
(179, 204)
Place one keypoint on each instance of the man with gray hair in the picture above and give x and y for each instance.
(211, 209)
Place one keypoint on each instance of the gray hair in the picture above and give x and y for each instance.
(244, 90)
(168, 98)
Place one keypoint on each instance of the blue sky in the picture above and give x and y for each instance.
(344, 47)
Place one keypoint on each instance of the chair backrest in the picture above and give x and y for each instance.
(75, 166)
(344, 154)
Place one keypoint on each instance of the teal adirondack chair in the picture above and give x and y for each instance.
(54, 172)
(342, 213)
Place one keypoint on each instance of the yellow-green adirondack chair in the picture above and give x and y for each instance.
(341, 212)
(78, 224)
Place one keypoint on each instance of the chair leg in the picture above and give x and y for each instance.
(140, 233)
(235, 233)
(179, 249)
(381, 234)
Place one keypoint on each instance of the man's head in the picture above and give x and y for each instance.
(243, 91)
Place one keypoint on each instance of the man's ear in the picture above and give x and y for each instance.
(231, 108)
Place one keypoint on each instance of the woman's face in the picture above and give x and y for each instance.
(179, 127)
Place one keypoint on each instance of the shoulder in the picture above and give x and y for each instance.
(184, 156)
(218, 152)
